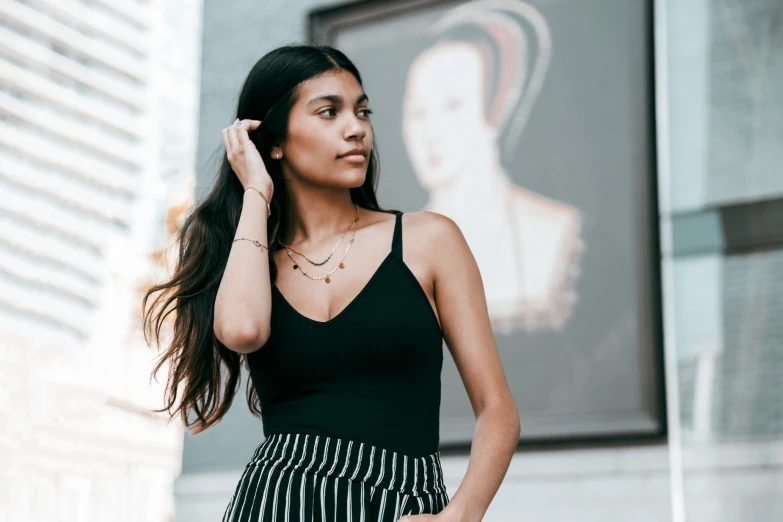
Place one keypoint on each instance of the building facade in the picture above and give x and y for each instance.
(97, 139)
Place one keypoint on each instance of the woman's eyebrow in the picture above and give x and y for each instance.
(337, 99)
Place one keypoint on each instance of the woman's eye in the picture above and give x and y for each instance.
(367, 111)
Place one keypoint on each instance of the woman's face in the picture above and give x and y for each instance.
(443, 119)
(321, 129)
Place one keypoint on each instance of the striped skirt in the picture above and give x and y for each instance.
(310, 478)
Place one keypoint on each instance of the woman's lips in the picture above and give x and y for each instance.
(354, 158)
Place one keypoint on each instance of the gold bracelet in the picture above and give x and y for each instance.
(256, 243)
(268, 207)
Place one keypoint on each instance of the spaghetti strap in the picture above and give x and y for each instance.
(397, 239)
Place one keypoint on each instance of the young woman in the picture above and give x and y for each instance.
(338, 308)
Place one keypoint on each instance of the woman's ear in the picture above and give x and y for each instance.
(276, 151)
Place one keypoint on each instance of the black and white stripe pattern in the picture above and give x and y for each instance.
(296, 477)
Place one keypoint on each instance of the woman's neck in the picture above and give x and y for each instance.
(316, 216)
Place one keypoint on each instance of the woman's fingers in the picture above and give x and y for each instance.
(242, 137)
(235, 137)
(242, 131)
(247, 124)
(232, 137)
(227, 144)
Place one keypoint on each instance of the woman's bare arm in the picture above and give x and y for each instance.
(462, 307)
(243, 303)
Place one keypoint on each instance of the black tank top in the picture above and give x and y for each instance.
(370, 374)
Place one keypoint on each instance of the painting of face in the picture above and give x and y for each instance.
(527, 245)
(442, 115)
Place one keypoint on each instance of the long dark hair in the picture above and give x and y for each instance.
(201, 368)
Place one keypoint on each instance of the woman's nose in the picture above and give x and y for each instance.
(356, 128)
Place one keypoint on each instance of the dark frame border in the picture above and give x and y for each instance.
(321, 25)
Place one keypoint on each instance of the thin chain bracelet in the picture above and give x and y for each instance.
(268, 207)
(256, 243)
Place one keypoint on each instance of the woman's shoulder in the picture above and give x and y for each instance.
(430, 231)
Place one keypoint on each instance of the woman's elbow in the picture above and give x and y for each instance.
(243, 340)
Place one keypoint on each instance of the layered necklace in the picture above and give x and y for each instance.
(327, 277)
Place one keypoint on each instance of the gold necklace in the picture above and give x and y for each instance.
(327, 258)
(327, 277)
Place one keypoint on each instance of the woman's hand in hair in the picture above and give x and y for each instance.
(244, 157)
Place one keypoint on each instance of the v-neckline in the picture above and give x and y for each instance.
(345, 309)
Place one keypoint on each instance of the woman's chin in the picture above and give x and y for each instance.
(354, 178)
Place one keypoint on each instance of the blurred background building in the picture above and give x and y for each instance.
(721, 171)
(97, 137)
(100, 103)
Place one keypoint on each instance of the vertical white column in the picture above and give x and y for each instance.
(662, 109)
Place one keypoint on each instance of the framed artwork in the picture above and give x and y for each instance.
(530, 124)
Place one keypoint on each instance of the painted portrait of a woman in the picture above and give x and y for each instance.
(466, 101)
